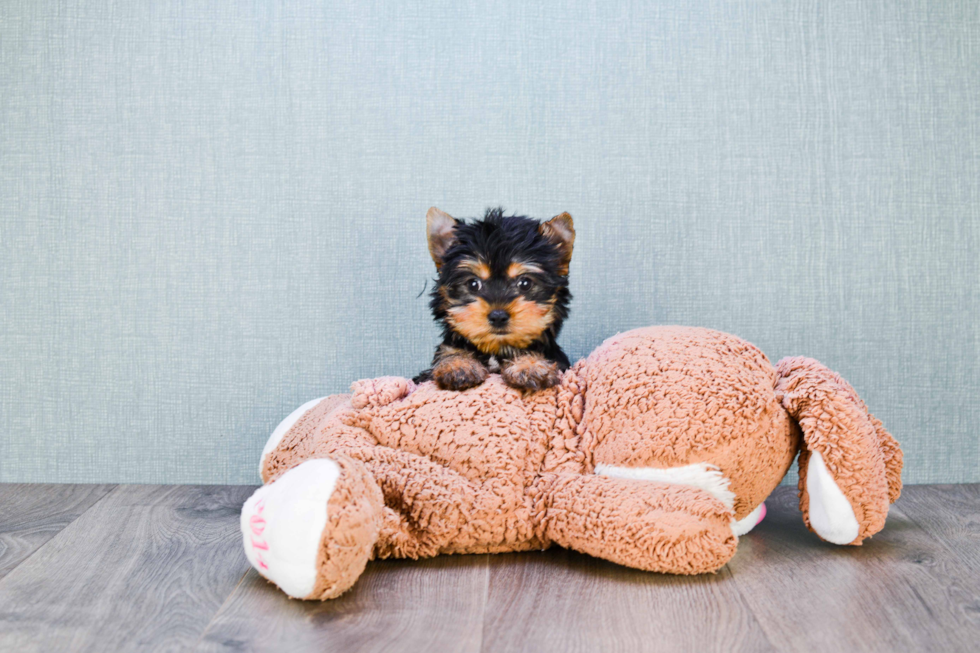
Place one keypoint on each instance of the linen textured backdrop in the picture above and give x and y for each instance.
(212, 212)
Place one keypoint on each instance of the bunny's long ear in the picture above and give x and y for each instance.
(441, 233)
(560, 231)
(850, 466)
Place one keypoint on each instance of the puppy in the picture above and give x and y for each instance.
(501, 297)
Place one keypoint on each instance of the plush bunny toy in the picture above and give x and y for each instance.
(656, 452)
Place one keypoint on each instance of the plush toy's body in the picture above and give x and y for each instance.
(655, 452)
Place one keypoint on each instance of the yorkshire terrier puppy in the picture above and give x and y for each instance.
(501, 297)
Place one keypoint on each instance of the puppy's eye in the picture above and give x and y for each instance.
(474, 285)
(523, 284)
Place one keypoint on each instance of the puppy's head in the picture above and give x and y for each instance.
(503, 280)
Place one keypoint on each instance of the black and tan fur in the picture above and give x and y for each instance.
(501, 297)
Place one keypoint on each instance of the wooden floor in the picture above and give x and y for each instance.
(132, 568)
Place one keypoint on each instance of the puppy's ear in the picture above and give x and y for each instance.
(441, 232)
(560, 232)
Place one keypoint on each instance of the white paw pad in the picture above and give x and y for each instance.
(282, 525)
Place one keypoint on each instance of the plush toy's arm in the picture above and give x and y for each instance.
(850, 466)
(648, 525)
(426, 504)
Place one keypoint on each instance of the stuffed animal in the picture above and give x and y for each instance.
(655, 452)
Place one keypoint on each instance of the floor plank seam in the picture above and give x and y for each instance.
(924, 528)
(486, 599)
(748, 606)
(217, 613)
(62, 529)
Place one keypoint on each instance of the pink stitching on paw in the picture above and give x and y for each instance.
(257, 524)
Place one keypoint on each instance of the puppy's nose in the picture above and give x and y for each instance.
(498, 317)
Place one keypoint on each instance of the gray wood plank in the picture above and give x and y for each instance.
(951, 514)
(143, 569)
(397, 605)
(161, 568)
(31, 514)
(559, 600)
(900, 591)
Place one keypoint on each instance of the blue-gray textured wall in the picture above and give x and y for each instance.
(211, 212)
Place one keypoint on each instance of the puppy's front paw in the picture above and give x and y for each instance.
(531, 372)
(459, 373)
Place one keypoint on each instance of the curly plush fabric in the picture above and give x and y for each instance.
(646, 454)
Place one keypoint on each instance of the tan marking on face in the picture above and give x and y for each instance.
(515, 270)
(447, 301)
(470, 321)
(528, 320)
(479, 268)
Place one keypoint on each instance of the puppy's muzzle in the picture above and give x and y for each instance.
(498, 318)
